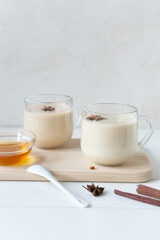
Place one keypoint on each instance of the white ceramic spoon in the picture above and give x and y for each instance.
(42, 171)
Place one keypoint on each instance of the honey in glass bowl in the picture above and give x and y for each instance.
(15, 146)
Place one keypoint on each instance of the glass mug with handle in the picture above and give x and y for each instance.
(109, 133)
(50, 116)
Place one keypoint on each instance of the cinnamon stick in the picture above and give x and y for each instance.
(138, 198)
(148, 191)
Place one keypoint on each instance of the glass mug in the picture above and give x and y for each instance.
(50, 116)
(109, 133)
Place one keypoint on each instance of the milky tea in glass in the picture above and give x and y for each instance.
(109, 133)
(50, 116)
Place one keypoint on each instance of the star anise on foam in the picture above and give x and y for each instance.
(95, 117)
(49, 108)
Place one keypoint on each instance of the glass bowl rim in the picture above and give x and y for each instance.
(30, 143)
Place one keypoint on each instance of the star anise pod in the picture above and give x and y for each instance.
(91, 117)
(95, 117)
(95, 190)
(49, 108)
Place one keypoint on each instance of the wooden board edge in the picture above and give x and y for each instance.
(140, 178)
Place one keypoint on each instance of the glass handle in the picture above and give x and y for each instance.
(78, 122)
(148, 134)
(77, 115)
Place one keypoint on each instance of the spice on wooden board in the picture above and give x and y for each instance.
(48, 108)
(138, 198)
(148, 191)
(95, 117)
(92, 167)
(95, 190)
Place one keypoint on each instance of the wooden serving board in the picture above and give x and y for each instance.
(69, 164)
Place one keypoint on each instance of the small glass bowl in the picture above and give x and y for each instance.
(15, 145)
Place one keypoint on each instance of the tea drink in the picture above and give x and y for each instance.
(111, 140)
(52, 123)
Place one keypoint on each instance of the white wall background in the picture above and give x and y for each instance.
(93, 50)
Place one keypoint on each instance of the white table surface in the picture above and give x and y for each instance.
(37, 210)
